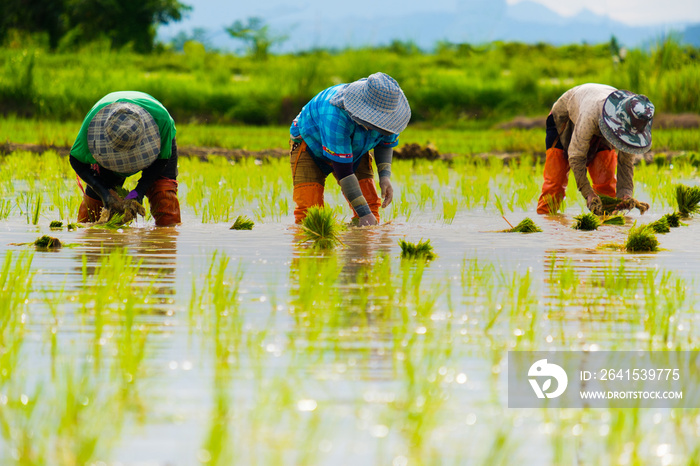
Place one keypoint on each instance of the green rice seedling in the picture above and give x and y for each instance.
(5, 208)
(673, 219)
(16, 278)
(242, 223)
(586, 222)
(321, 228)
(56, 225)
(47, 242)
(499, 206)
(449, 210)
(73, 226)
(688, 199)
(525, 226)
(30, 205)
(641, 239)
(36, 210)
(661, 225)
(613, 220)
(420, 250)
(552, 205)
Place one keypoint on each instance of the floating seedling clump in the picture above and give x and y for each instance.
(525, 226)
(47, 242)
(661, 225)
(420, 250)
(642, 239)
(688, 199)
(56, 225)
(613, 220)
(673, 220)
(242, 223)
(321, 228)
(586, 222)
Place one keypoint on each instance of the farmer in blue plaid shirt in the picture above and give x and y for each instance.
(334, 133)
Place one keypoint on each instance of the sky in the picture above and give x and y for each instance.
(347, 18)
(632, 12)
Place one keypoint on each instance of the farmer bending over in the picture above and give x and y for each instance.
(125, 133)
(585, 128)
(335, 131)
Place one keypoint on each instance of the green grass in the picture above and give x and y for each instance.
(455, 85)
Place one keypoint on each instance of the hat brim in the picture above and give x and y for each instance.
(620, 144)
(393, 122)
(133, 160)
(615, 132)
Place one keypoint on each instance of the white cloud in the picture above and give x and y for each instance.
(632, 12)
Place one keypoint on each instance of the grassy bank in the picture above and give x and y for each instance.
(461, 141)
(457, 83)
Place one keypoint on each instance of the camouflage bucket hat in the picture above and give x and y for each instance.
(626, 121)
(124, 137)
(378, 100)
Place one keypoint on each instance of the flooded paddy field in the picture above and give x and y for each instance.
(198, 344)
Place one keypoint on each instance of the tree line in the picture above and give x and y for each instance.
(72, 22)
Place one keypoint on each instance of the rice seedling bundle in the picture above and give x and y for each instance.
(420, 250)
(609, 203)
(586, 222)
(47, 242)
(642, 239)
(660, 226)
(242, 223)
(688, 199)
(321, 228)
(525, 226)
(673, 220)
(614, 220)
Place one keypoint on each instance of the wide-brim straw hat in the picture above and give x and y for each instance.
(626, 121)
(124, 137)
(378, 100)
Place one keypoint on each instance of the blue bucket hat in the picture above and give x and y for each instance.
(378, 100)
(626, 121)
(124, 137)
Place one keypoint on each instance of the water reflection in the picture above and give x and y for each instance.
(154, 251)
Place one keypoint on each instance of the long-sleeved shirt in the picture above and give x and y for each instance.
(577, 114)
(331, 134)
(166, 125)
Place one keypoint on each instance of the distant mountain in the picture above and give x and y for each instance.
(472, 21)
(691, 35)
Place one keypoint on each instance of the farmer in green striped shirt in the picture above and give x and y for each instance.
(125, 133)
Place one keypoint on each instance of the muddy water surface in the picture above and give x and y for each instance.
(200, 344)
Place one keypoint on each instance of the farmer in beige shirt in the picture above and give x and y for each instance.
(600, 128)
